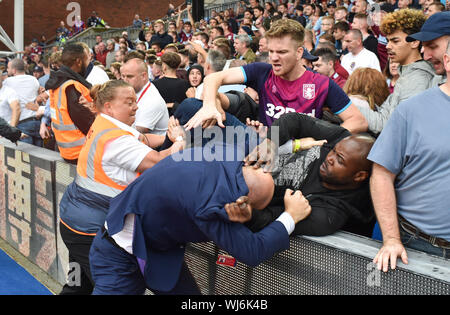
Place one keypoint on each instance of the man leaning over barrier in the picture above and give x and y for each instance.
(142, 244)
(333, 177)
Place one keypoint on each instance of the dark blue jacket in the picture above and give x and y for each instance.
(179, 202)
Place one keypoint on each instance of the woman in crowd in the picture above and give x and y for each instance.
(172, 89)
(367, 87)
(391, 74)
(113, 156)
(195, 75)
(115, 70)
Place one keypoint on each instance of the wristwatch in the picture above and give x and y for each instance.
(179, 139)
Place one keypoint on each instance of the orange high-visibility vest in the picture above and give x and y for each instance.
(68, 137)
(90, 173)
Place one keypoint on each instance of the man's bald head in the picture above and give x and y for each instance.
(361, 144)
(347, 166)
(135, 72)
(260, 185)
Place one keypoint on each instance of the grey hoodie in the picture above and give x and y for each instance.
(414, 78)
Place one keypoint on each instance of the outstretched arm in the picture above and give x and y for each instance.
(385, 205)
(296, 126)
(208, 114)
(354, 121)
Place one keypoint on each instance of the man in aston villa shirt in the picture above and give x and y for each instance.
(283, 86)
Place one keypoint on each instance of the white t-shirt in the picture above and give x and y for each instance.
(152, 110)
(123, 155)
(97, 76)
(7, 96)
(365, 59)
(27, 88)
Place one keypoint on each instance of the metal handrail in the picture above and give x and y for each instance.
(130, 29)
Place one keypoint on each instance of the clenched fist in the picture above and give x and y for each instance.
(296, 205)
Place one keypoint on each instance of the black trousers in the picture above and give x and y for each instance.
(79, 276)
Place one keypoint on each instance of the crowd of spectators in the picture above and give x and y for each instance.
(363, 50)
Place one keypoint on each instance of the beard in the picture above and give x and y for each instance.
(83, 70)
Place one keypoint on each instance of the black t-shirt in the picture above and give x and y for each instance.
(331, 209)
(172, 90)
(371, 43)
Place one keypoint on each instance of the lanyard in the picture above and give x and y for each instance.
(143, 92)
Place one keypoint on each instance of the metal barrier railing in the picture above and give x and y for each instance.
(88, 35)
(33, 180)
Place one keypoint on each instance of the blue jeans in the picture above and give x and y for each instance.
(31, 128)
(414, 242)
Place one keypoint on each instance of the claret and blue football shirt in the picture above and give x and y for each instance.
(307, 94)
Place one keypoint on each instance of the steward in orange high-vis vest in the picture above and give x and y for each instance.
(92, 182)
(68, 137)
(90, 173)
(71, 119)
(111, 158)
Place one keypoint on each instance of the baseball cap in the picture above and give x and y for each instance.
(307, 55)
(435, 26)
(248, 30)
(387, 7)
(38, 69)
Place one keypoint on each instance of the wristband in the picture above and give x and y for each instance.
(179, 139)
(297, 146)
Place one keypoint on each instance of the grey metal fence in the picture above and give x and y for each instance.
(340, 264)
(32, 182)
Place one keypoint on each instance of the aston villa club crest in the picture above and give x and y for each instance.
(309, 91)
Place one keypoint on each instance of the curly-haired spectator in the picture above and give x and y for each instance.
(415, 73)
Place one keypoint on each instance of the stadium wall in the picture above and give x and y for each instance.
(43, 16)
